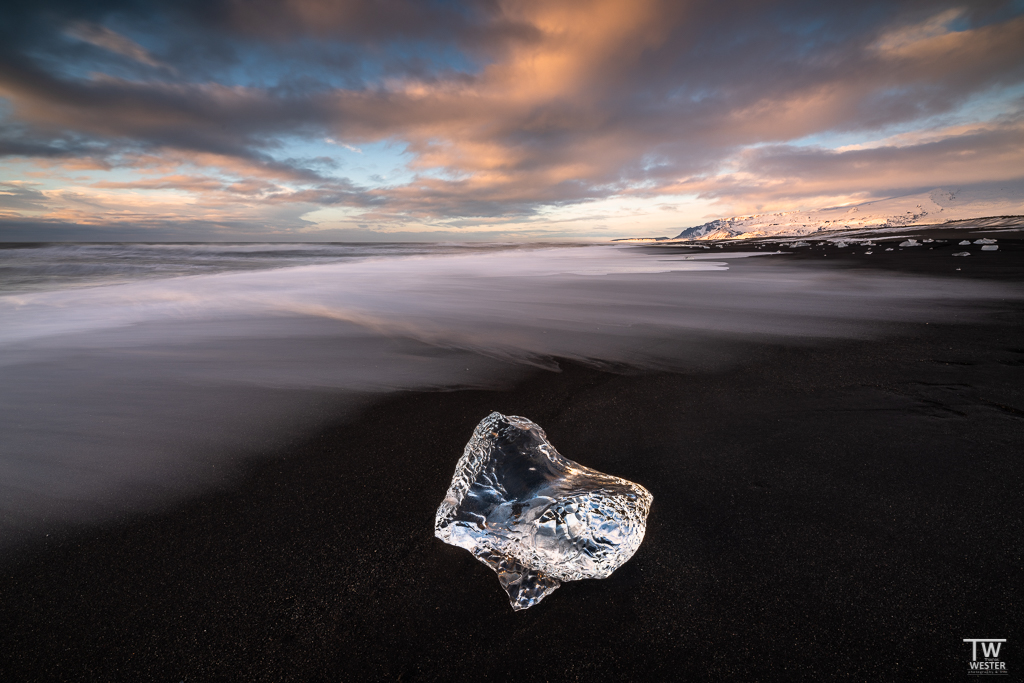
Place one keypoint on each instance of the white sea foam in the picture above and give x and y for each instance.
(125, 394)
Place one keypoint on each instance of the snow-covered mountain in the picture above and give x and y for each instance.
(928, 208)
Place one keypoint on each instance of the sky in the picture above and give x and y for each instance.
(353, 120)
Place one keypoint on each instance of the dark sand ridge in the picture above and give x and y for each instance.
(844, 511)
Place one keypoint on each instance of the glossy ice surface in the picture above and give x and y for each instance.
(535, 517)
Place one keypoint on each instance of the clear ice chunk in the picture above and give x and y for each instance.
(534, 516)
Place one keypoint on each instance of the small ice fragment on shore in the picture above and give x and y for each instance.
(964, 243)
(962, 253)
(801, 244)
(841, 245)
(535, 517)
(868, 253)
(984, 240)
(889, 249)
(927, 241)
(990, 247)
(910, 243)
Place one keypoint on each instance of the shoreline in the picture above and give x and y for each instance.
(842, 510)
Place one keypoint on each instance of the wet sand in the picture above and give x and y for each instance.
(846, 511)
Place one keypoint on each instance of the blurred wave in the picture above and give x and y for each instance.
(32, 267)
(127, 394)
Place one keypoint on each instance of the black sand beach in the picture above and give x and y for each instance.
(843, 511)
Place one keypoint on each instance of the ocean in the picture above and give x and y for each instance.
(132, 375)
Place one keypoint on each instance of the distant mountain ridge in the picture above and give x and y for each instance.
(940, 205)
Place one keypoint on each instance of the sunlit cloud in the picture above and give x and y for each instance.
(332, 141)
(103, 37)
(513, 116)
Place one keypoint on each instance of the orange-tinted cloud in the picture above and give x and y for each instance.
(548, 104)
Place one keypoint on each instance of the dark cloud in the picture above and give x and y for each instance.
(13, 196)
(468, 23)
(508, 108)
